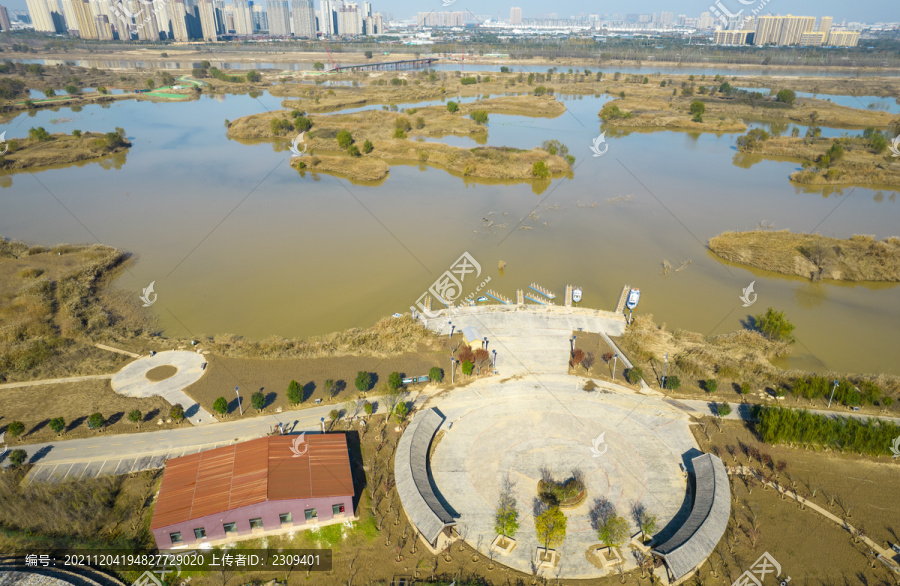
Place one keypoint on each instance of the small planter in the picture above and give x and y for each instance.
(643, 546)
(609, 558)
(547, 558)
(503, 545)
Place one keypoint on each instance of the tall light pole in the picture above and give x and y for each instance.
(485, 342)
(832, 394)
(572, 342)
(665, 367)
(495, 361)
(239, 400)
(452, 362)
(615, 360)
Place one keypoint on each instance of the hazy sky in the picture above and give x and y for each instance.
(860, 10)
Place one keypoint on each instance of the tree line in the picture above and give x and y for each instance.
(873, 437)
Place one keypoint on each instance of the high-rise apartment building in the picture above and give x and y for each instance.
(87, 23)
(706, 21)
(177, 17)
(349, 19)
(842, 38)
(279, 13)
(782, 30)
(219, 6)
(515, 15)
(68, 11)
(40, 16)
(328, 19)
(145, 22)
(666, 19)
(260, 18)
(825, 25)
(208, 24)
(104, 28)
(442, 19)
(243, 18)
(373, 25)
(303, 15)
(4, 19)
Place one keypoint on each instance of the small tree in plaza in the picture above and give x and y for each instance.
(177, 413)
(363, 381)
(295, 393)
(613, 530)
(221, 406)
(506, 518)
(551, 527)
(57, 424)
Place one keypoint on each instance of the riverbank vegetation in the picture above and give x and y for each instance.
(738, 364)
(860, 160)
(42, 149)
(858, 258)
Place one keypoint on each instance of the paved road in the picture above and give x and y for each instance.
(124, 453)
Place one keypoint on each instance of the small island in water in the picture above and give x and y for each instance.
(858, 258)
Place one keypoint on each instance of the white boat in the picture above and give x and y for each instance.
(633, 297)
(576, 294)
(482, 299)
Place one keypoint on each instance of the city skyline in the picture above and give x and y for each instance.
(840, 11)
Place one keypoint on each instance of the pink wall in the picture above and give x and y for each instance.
(268, 511)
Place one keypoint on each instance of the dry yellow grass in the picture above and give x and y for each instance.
(64, 149)
(378, 126)
(859, 258)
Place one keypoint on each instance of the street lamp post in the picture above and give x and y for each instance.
(832, 394)
(323, 425)
(452, 369)
(495, 361)
(485, 342)
(239, 400)
(615, 361)
(665, 367)
(572, 341)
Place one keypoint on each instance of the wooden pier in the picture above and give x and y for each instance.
(620, 308)
(543, 291)
(385, 65)
(498, 297)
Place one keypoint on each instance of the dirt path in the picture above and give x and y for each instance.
(53, 381)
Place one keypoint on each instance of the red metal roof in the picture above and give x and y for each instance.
(252, 472)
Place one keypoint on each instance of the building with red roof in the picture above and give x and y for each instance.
(254, 488)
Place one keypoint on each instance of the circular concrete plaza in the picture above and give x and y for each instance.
(132, 380)
(512, 430)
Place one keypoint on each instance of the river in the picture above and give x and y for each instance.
(237, 241)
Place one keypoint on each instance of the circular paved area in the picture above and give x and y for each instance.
(512, 430)
(132, 381)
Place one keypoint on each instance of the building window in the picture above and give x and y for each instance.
(256, 523)
(286, 518)
(175, 537)
(311, 515)
(230, 527)
(337, 509)
(200, 533)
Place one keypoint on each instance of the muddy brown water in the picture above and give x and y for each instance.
(237, 241)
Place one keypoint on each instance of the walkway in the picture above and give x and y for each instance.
(529, 339)
(55, 381)
(886, 554)
(133, 452)
(741, 411)
(132, 381)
